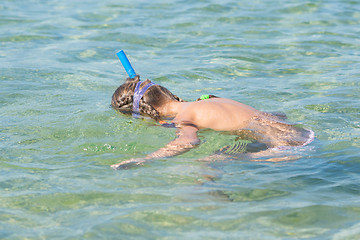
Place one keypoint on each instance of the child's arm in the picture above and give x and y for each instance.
(187, 139)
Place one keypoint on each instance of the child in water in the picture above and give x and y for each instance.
(264, 130)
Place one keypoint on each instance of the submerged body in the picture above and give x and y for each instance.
(219, 114)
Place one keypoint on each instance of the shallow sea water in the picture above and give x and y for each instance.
(58, 135)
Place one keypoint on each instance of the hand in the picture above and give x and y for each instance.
(128, 164)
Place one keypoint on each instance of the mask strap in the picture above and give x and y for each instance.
(138, 95)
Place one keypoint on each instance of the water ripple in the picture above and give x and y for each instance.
(58, 136)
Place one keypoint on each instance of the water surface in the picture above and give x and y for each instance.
(58, 135)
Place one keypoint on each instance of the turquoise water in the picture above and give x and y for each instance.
(58, 135)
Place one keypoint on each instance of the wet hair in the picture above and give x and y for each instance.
(155, 96)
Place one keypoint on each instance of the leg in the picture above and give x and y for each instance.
(243, 147)
(240, 149)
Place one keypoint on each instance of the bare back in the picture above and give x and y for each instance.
(219, 114)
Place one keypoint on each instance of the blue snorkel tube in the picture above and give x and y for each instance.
(137, 93)
(126, 64)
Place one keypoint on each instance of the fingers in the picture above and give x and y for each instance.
(128, 164)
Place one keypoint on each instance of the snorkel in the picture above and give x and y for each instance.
(138, 93)
(126, 64)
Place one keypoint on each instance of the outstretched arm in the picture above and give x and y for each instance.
(187, 139)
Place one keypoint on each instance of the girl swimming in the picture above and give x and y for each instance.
(263, 130)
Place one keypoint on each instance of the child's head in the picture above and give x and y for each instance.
(153, 98)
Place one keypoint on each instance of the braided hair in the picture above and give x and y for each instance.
(155, 96)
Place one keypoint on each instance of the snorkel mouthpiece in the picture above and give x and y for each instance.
(126, 64)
